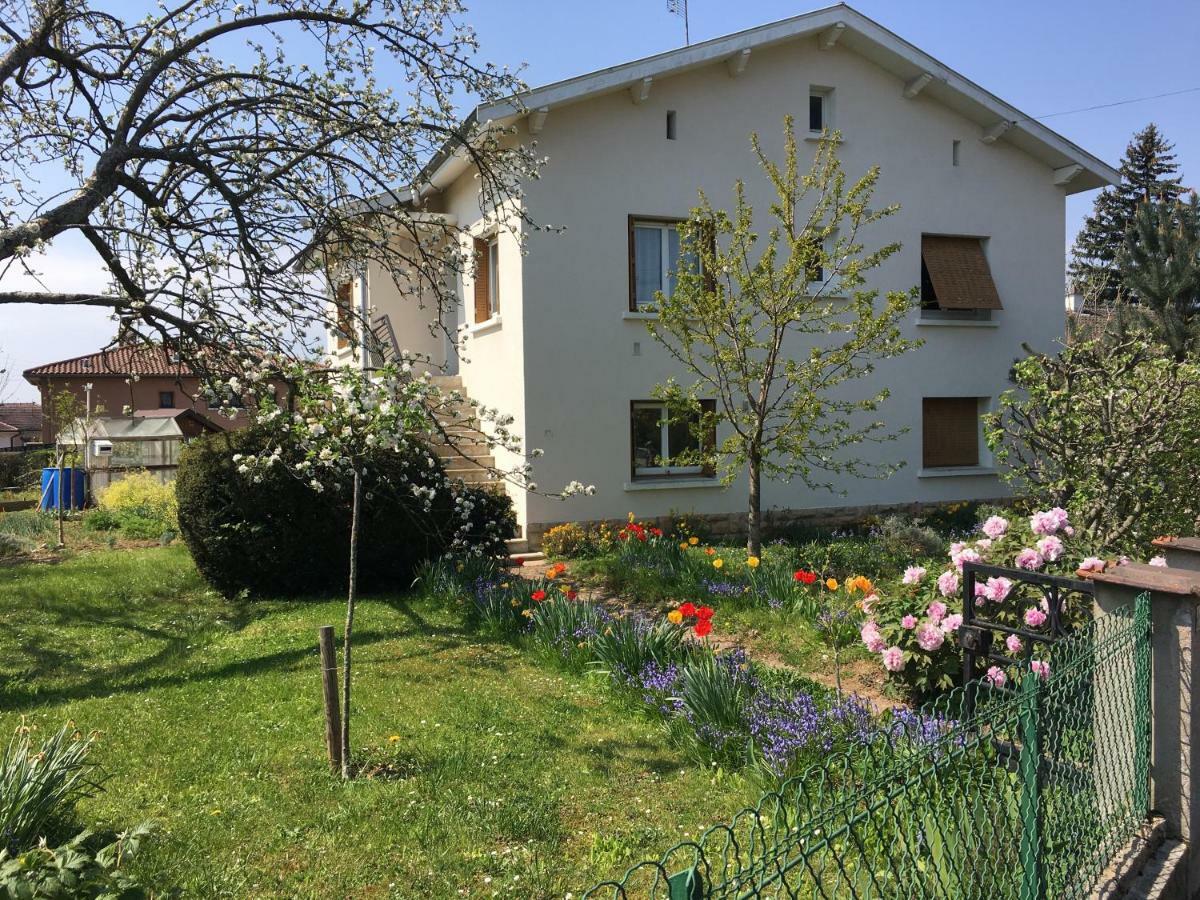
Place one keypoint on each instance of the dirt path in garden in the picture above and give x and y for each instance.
(861, 676)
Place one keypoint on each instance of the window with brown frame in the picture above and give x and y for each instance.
(955, 275)
(344, 299)
(950, 432)
(665, 448)
(487, 279)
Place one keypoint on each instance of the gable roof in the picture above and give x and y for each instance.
(130, 359)
(5, 427)
(841, 26)
(22, 416)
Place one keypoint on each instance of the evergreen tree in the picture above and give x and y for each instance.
(1148, 173)
(1160, 265)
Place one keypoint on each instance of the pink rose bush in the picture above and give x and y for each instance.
(913, 627)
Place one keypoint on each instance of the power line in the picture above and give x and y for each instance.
(1069, 112)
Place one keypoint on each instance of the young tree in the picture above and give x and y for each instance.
(1148, 173)
(1109, 431)
(204, 150)
(756, 325)
(1160, 264)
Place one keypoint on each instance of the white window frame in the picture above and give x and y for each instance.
(826, 95)
(493, 264)
(663, 443)
(664, 229)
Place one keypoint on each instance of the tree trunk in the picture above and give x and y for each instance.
(351, 596)
(754, 513)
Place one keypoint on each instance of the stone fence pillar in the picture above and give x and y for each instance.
(1175, 701)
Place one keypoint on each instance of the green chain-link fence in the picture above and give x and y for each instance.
(1029, 798)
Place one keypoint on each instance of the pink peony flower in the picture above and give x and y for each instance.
(1040, 668)
(995, 527)
(908, 621)
(1050, 547)
(951, 623)
(1159, 561)
(1048, 522)
(893, 659)
(1029, 559)
(872, 638)
(966, 556)
(936, 611)
(983, 544)
(1092, 564)
(1069, 531)
(948, 583)
(1034, 617)
(1123, 560)
(930, 637)
(997, 589)
(868, 603)
(913, 574)
(996, 676)
(1013, 643)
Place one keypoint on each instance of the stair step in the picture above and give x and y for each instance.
(527, 557)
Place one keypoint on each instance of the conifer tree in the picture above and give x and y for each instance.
(1148, 173)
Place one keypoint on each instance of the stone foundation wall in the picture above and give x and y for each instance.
(731, 527)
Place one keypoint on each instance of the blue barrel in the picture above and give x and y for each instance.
(73, 492)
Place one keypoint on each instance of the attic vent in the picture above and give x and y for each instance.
(670, 124)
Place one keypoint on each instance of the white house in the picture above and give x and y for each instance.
(557, 336)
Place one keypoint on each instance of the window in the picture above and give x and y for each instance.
(653, 259)
(950, 432)
(166, 399)
(954, 149)
(955, 278)
(820, 108)
(664, 448)
(487, 279)
(670, 124)
(344, 299)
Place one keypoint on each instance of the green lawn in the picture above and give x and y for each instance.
(508, 778)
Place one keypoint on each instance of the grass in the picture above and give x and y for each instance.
(506, 778)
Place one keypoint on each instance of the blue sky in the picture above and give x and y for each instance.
(1042, 57)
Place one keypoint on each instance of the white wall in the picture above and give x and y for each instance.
(609, 158)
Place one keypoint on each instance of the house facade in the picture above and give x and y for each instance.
(123, 380)
(20, 425)
(557, 335)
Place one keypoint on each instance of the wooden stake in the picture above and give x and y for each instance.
(329, 686)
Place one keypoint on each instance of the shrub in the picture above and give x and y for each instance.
(274, 535)
(141, 495)
(24, 470)
(1109, 431)
(31, 524)
(567, 540)
(39, 787)
(75, 869)
(98, 519)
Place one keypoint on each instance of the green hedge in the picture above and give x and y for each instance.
(278, 537)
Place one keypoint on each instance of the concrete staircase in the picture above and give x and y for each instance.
(465, 453)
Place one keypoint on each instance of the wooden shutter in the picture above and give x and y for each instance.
(345, 313)
(950, 432)
(959, 272)
(482, 281)
(709, 408)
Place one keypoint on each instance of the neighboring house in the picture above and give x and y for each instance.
(557, 334)
(24, 421)
(127, 379)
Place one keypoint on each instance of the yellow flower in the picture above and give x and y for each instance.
(693, 540)
(527, 613)
(515, 603)
(717, 563)
(859, 583)
(674, 617)
(392, 738)
(683, 546)
(752, 562)
(831, 583)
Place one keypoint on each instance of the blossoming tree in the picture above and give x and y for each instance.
(341, 421)
(755, 324)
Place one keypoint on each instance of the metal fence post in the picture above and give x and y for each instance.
(1141, 703)
(1033, 885)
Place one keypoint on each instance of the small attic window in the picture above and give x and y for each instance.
(820, 108)
(670, 124)
(954, 149)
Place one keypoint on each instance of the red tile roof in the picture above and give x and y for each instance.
(134, 359)
(22, 416)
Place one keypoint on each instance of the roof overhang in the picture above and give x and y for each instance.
(1075, 169)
